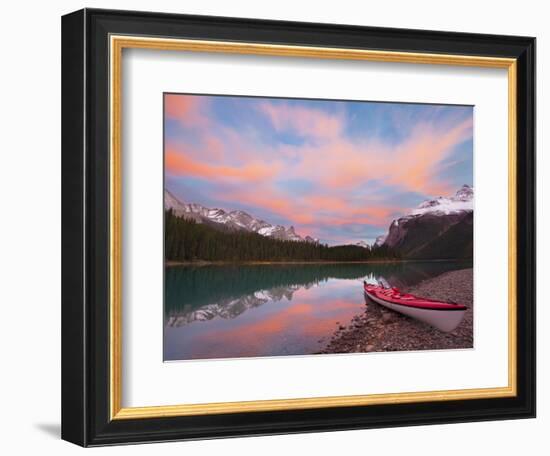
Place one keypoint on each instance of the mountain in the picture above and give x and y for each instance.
(379, 241)
(441, 228)
(462, 201)
(232, 221)
(363, 244)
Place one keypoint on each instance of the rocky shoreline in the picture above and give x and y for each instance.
(378, 329)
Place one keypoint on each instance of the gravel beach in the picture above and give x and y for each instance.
(378, 329)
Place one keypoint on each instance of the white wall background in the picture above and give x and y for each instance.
(30, 192)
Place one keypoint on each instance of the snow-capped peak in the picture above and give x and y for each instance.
(461, 201)
(171, 202)
(465, 193)
(237, 219)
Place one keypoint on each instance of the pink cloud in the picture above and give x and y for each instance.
(268, 199)
(187, 109)
(303, 121)
(213, 148)
(412, 165)
(420, 155)
(177, 162)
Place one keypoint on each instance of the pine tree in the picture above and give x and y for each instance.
(187, 240)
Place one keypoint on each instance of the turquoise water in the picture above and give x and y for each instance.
(234, 311)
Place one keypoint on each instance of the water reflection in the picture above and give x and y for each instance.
(230, 307)
(267, 310)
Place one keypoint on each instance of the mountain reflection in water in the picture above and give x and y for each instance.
(266, 310)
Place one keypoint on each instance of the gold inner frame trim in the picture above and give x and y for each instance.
(117, 44)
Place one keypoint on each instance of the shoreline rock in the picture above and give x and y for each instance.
(378, 329)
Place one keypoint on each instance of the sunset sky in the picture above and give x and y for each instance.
(339, 171)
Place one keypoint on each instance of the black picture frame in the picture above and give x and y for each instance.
(85, 228)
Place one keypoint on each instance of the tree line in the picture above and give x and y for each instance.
(187, 240)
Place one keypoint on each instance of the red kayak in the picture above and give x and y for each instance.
(444, 316)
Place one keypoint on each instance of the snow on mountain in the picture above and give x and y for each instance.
(363, 244)
(463, 200)
(171, 202)
(233, 219)
(466, 193)
(380, 240)
(428, 213)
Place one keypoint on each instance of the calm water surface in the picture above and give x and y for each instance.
(266, 310)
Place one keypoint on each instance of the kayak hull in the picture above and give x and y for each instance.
(445, 318)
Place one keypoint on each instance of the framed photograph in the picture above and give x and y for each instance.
(279, 227)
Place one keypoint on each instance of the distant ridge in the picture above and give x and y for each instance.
(232, 220)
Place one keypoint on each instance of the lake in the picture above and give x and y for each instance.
(230, 311)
